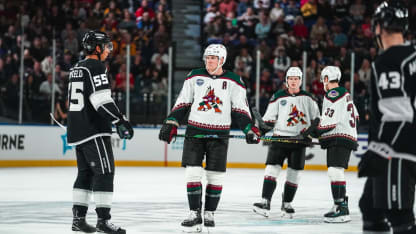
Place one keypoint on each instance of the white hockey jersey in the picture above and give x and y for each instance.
(212, 100)
(289, 113)
(338, 126)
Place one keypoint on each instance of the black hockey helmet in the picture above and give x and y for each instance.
(92, 39)
(391, 16)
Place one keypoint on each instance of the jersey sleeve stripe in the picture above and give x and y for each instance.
(100, 98)
(109, 112)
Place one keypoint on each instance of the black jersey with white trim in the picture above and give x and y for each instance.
(91, 108)
(393, 89)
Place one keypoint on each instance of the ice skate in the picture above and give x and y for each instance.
(209, 219)
(287, 210)
(104, 226)
(339, 213)
(262, 207)
(193, 223)
(80, 225)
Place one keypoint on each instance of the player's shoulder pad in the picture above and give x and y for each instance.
(334, 94)
(234, 77)
(197, 72)
(306, 93)
(279, 94)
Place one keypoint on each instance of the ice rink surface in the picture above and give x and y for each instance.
(153, 200)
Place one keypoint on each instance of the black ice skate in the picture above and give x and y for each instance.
(287, 210)
(79, 224)
(209, 219)
(104, 226)
(193, 222)
(339, 213)
(262, 207)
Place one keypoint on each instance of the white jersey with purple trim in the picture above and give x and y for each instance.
(291, 113)
(211, 100)
(339, 117)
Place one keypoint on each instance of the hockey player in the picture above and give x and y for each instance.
(289, 111)
(212, 96)
(91, 113)
(337, 132)
(390, 162)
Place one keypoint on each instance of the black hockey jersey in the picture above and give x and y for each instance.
(393, 88)
(91, 108)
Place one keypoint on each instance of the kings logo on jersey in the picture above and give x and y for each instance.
(295, 116)
(210, 101)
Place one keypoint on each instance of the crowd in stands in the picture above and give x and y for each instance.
(328, 30)
(144, 24)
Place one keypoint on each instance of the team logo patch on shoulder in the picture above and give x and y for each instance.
(283, 102)
(333, 94)
(200, 82)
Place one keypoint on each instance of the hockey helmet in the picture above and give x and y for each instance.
(332, 72)
(293, 71)
(392, 16)
(92, 39)
(218, 50)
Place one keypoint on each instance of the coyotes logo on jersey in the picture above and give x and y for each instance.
(295, 116)
(210, 101)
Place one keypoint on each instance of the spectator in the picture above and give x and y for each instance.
(61, 110)
(242, 7)
(261, 4)
(227, 6)
(282, 61)
(340, 39)
(319, 29)
(127, 22)
(145, 23)
(46, 86)
(309, 12)
(365, 72)
(47, 64)
(299, 29)
(245, 60)
(71, 43)
(291, 11)
(112, 7)
(144, 8)
(263, 27)
(121, 79)
(276, 12)
(357, 10)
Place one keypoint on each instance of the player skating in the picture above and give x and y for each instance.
(91, 113)
(212, 96)
(390, 162)
(289, 111)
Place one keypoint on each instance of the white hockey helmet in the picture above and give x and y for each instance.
(332, 72)
(294, 71)
(218, 50)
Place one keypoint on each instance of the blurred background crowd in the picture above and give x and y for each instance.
(327, 30)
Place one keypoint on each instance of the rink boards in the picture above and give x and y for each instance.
(34, 145)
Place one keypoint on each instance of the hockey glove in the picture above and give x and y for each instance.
(168, 130)
(371, 165)
(312, 130)
(252, 134)
(124, 129)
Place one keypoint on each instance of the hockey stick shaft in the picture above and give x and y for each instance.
(263, 138)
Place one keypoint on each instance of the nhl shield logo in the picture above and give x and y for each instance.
(200, 82)
(283, 102)
(333, 94)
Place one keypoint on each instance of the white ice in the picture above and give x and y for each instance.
(153, 200)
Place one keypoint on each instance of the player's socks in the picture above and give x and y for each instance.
(194, 192)
(212, 196)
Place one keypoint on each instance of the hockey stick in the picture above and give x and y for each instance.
(262, 124)
(63, 127)
(293, 140)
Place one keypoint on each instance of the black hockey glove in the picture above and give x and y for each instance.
(311, 132)
(169, 130)
(253, 134)
(371, 165)
(124, 129)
